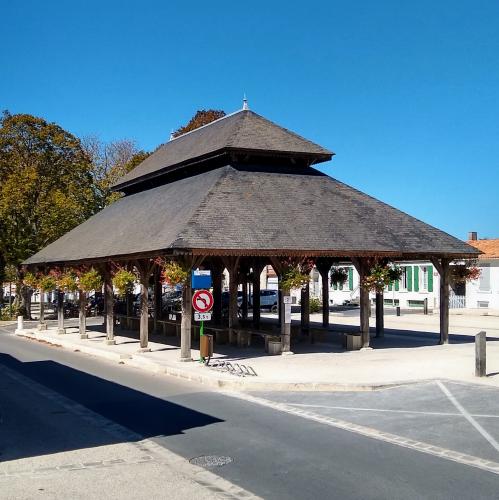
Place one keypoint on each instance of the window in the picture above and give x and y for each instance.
(403, 279)
(484, 283)
(423, 278)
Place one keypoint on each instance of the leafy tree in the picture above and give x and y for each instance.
(202, 117)
(110, 161)
(46, 185)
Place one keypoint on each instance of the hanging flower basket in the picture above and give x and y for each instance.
(124, 281)
(173, 273)
(67, 282)
(462, 273)
(31, 280)
(89, 281)
(339, 276)
(380, 277)
(292, 278)
(47, 283)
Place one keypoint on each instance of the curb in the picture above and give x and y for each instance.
(211, 378)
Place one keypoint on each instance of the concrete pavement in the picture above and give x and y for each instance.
(403, 356)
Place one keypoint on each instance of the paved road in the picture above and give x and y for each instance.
(276, 455)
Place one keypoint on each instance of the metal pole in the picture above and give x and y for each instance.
(480, 354)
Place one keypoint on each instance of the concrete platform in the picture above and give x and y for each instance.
(401, 357)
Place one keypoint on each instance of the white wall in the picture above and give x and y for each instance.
(484, 292)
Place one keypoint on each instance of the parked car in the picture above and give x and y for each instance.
(269, 300)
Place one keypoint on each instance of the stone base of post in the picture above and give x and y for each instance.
(41, 326)
(110, 342)
(61, 331)
(287, 353)
(185, 360)
(84, 336)
(144, 349)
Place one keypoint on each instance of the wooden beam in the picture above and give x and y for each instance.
(380, 315)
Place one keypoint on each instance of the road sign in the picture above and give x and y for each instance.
(202, 301)
(201, 279)
(202, 316)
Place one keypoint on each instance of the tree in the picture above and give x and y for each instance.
(202, 117)
(45, 185)
(110, 161)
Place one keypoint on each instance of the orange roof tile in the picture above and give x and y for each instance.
(490, 248)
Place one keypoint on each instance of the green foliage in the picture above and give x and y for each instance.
(292, 278)
(339, 275)
(202, 117)
(67, 282)
(8, 313)
(123, 281)
(315, 304)
(31, 280)
(45, 184)
(380, 276)
(47, 283)
(174, 273)
(89, 281)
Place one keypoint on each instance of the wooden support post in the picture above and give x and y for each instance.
(186, 326)
(324, 266)
(158, 297)
(232, 303)
(362, 266)
(244, 305)
(256, 302)
(481, 354)
(41, 320)
(380, 315)
(305, 309)
(60, 312)
(144, 268)
(109, 307)
(216, 274)
(82, 318)
(129, 309)
(442, 266)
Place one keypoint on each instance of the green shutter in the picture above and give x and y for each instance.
(335, 286)
(350, 278)
(409, 278)
(390, 286)
(341, 286)
(430, 278)
(416, 278)
(397, 285)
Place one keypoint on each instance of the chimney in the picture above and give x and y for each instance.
(472, 236)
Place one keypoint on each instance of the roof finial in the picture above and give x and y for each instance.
(245, 102)
(171, 135)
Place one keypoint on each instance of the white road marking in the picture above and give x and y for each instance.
(468, 417)
(445, 414)
(462, 458)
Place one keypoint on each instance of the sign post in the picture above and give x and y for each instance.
(202, 301)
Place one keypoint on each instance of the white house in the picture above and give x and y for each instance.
(483, 293)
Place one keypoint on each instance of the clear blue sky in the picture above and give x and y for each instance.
(405, 93)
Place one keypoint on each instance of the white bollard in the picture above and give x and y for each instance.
(20, 323)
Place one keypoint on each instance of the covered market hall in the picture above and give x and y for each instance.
(236, 195)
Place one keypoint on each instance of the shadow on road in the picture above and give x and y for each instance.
(35, 427)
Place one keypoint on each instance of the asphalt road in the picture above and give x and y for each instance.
(275, 455)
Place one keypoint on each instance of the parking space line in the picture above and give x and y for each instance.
(468, 417)
(444, 414)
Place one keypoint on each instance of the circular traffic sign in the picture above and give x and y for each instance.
(202, 301)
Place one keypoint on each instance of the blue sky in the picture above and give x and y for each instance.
(405, 93)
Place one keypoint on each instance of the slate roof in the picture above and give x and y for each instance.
(490, 248)
(241, 131)
(246, 212)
